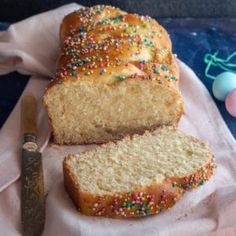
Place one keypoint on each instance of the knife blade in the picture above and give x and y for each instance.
(32, 183)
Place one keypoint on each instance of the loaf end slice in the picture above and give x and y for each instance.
(138, 176)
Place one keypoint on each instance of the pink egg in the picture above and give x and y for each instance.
(230, 103)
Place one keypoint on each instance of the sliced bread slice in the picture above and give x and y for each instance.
(137, 176)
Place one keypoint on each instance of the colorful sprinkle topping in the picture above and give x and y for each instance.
(120, 77)
(141, 204)
(155, 71)
(73, 73)
(98, 43)
(201, 182)
(164, 67)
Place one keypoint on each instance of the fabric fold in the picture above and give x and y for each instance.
(31, 46)
(11, 136)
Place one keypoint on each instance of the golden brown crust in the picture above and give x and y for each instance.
(102, 39)
(196, 179)
(140, 202)
(74, 20)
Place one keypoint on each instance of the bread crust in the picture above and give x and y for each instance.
(101, 15)
(143, 201)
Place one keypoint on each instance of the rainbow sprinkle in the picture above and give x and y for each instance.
(97, 43)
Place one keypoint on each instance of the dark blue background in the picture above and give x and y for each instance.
(15, 10)
(191, 38)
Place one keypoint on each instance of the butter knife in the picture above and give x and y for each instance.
(32, 184)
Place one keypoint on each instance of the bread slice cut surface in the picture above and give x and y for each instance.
(86, 112)
(156, 167)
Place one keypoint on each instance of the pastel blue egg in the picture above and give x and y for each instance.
(223, 84)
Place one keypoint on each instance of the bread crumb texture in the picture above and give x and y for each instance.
(156, 168)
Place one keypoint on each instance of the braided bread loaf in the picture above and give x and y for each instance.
(116, 75)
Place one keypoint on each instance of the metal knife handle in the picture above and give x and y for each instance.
(32, 183)
(28, 118)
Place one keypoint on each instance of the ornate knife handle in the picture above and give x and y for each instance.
(29, 142)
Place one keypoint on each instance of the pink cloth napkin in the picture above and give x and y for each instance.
(31, 47)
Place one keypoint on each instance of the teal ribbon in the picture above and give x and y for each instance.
(224, 64)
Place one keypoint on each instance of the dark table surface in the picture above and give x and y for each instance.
(15, 10)
(191, 38)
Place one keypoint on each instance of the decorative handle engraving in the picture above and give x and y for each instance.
(32, 194)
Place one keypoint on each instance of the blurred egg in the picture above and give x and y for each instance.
(230, 103)
(223, 84)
